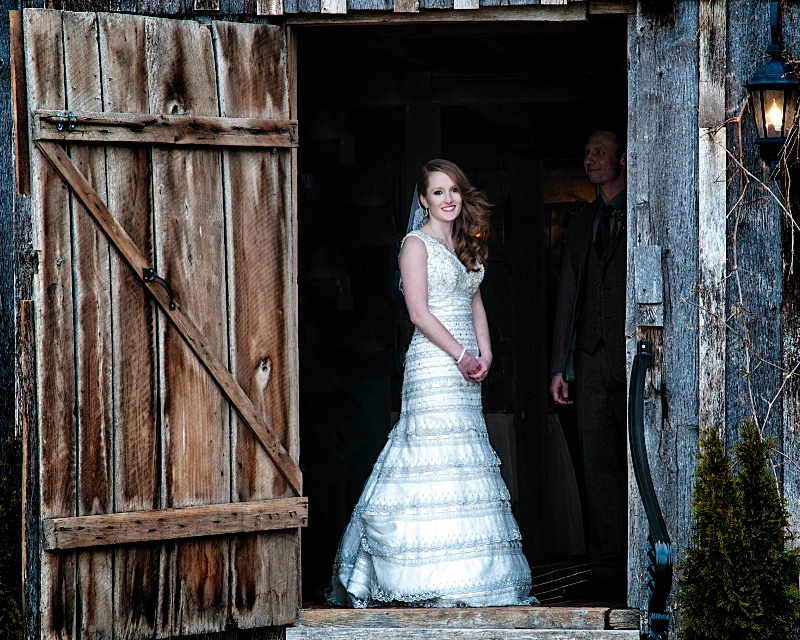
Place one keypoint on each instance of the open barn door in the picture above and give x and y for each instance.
(162, 190)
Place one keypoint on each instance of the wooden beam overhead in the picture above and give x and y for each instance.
(572, 12)
(611, 7)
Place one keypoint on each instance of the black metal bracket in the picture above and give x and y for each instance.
(149, 275)
(659, 553)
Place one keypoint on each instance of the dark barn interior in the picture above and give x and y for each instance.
(512, 104)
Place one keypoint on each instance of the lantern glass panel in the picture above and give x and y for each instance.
(773, 113)
(758, 111)
(791, 109)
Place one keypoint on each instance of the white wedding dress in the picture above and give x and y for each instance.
(433, 526)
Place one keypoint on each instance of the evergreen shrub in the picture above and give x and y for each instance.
(738, 579)
(11, 541)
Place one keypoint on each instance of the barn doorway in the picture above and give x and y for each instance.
(512, 104)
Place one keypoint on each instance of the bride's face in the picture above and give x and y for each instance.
(442, 197)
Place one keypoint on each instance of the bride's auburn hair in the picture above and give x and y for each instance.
(471, 228)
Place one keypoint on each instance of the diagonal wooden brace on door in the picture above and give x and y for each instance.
(100, 213)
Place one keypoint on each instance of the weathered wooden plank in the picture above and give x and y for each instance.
(712, 210)
(711, 283)
(269, 7)
(754, 291)
(192, 335)
(190, 252)
(92, 317)
(9, 426)
(333, 6)
(649, 286)
(600, 8)
(141, 128)
(663, 61)
(789, 443)
(173, 524)
(263, 349)
(789, 461)
(27, 411)
(54, 330)
(466, 4)
(406, 6)
(572, 12)
(583, 618)
(19, 97)
(624, 619)
(210, 6)
(347, 633)
(137, 452)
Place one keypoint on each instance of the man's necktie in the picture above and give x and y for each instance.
(602, 237)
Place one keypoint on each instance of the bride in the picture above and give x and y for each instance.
(433, 526)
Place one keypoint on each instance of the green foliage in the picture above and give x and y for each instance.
(11, 545)
(738, 579)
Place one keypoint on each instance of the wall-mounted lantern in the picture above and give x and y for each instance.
(774, 92)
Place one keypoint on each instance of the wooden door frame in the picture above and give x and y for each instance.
(534, 13)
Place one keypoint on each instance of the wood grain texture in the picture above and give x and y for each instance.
(54, 331)
(712, 281)
(169, 412)
(172, 524)
(542, 617)
(610, 7)
(406, 6)
(193, 336)
(19, 97)
(28, 414)
(754, 290)
(190, 254)
(92, 317)
(712, 210)
(333, 6)
(138, 434)
(648, 286)
(261, 285)
(574, 11)
(269, 7)
(790, 319)
(347, 633)
(663, 59)
(140, 128)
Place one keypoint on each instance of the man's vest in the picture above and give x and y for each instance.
(601, 314)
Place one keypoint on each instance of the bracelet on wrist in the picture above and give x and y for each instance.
(461, 357)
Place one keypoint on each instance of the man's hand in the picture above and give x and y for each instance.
(559, 389)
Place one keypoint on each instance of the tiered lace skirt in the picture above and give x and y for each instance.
(433, 526)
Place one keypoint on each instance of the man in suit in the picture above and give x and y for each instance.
(588, 358)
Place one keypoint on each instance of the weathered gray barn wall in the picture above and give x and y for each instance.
(730, 308)
(754, 293)
(662, 176)
(762, 296)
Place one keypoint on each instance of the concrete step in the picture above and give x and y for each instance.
(491, 623)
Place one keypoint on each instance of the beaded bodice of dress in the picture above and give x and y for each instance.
(450, 285)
